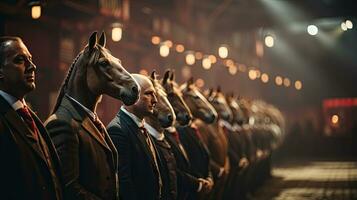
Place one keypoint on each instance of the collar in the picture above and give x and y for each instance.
(89, 112)
(13, 101)
(138, 122)
(226, 124)
(171, 129)
(153, 132)
(237, 127)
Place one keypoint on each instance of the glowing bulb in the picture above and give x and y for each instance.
(212, 58)
(269, 41)
(180, 48)
(334, 119)
(343, 26)
(169, 43)
(298, 85)
(349, 24)
(190, 58)
(206, 63)
(164, 50)
(286, 82)
(155, 40)
(198, 55)
(117, 33)
(233, 69)
(265, 78)
(312, 29)
(278, 80)
(36, 11)
(252, 74)
(223, 52)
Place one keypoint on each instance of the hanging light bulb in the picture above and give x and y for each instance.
(164, 50)
(223, 51)
(190, 58)
(117, 32)
(206, 63)
(35, 9)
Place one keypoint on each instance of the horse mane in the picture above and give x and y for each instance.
(63, 87)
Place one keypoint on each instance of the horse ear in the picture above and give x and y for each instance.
(172, 77)
(153, 75)
(92, 40)
(190, 81)
(102, 39)
(219, 89)
(166, 76)
(210, 92)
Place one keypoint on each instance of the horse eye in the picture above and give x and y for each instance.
(104, 63)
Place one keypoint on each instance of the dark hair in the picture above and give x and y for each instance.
(3, 41)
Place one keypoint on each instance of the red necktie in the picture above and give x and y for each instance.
(197, 132)
(176, 136)
(26, 116)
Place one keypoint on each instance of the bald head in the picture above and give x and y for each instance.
(142, 80)
(147, 101)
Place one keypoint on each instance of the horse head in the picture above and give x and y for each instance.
(238, 115)
(163, 110)
(95, 71)
(198, 104)
(218, 101)
(174, 95)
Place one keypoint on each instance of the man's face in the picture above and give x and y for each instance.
(17, 73)
(147, 100)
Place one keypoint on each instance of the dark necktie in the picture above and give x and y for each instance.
(153, 153)
(26, 116)
(176, 136)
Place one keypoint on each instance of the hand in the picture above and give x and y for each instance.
(206, 185)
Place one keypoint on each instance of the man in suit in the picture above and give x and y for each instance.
(30, 166)
(139, 174)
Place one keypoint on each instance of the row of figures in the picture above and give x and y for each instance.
(167, 142)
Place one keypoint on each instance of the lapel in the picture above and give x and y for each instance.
(134, 130)
(20, 126)
(86, 123)
(176, 144)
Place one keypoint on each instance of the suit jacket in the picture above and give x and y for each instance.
(89, 159)
(167, 169)
(187, 183)
(197, 152)
(138, 177)
(25, 170)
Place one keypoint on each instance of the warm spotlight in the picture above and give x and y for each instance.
(312, 29)
(223, 51)
(269, 41)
